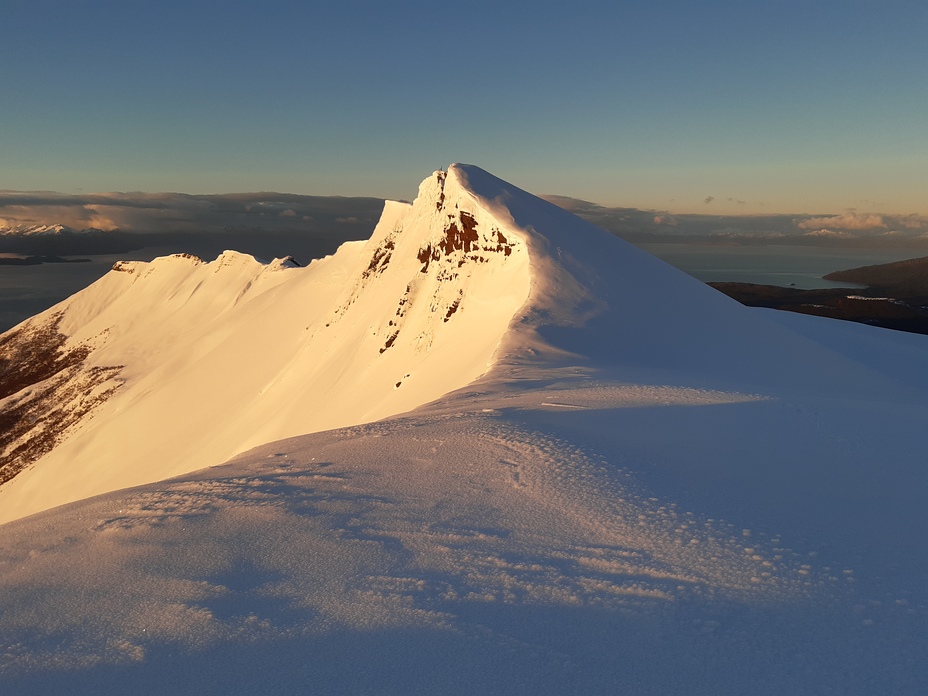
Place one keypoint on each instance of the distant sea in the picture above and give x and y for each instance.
(784, 265)
(28, 290)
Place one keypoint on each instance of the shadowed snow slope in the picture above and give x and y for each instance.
(589, 473)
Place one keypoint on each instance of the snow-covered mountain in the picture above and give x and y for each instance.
(177, 364)
(524, 457)
(27, 230)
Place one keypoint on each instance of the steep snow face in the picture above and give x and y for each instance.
(195, 362)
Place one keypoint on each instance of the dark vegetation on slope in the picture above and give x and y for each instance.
(44, 390)
(896, 296)
(29, 355)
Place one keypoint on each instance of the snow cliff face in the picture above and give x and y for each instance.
(165, 367)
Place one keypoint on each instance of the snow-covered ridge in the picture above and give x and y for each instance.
(205, 360)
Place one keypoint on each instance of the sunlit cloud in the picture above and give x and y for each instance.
(847, 221)
(912, 222)
(75, 216)
(650, 226)
(830, 234)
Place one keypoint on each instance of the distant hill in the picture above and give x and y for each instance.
(896, 296)
(902, 279)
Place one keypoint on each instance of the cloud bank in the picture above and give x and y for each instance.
(179, 212)
(848, 221)
(252, 222)
(849, 228)
(278, 224)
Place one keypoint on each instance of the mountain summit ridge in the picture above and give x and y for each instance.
(477, 282)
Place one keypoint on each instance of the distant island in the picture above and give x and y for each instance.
(895, 296)
(37, 260)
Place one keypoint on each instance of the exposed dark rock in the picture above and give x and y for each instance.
(462, 238)
(453, 308)
(390, 341)
(461, 235)
(439, 204)
(380, 259)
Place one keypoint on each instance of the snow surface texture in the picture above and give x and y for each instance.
(651, 490)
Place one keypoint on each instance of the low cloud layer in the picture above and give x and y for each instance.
(178, 212)
(262, 223)
(848, 221)
(849, 228)
(275, 224)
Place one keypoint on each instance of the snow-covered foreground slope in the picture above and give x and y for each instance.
(653, 490)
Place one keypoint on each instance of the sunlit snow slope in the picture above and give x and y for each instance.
(189, 363)
(557, 465)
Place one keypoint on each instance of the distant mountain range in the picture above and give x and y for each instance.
(61, 240)
(31, 230)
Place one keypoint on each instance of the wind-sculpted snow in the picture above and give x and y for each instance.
(527, 459)
(477, 543)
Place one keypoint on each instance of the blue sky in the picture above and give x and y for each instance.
(763, 107)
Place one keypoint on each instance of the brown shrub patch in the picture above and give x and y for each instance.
(50, 391)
